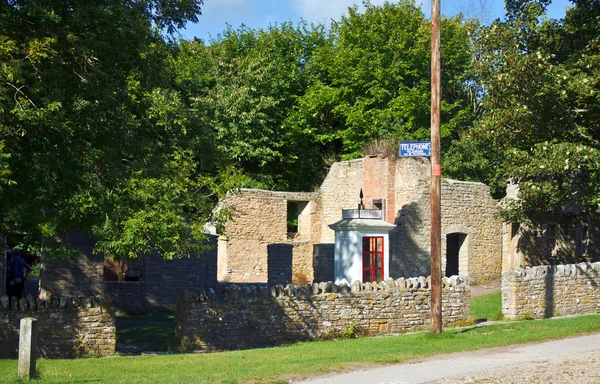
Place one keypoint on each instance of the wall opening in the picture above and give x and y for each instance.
(456, 252)
(27, 251)
(379, 204)
(296, 217)
(123, 270)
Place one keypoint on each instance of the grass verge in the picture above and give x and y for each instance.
(271, 365)
(152, 331)
(488, 307)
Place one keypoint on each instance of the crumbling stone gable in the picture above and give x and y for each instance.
(339, 190)
(260, 220)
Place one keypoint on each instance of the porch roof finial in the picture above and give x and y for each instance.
(361, 195)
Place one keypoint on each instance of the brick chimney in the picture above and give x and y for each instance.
(379, 185)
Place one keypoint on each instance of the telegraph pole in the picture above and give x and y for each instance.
(436, 173)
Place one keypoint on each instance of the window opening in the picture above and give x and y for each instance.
(293, 217)
(297, 218)
(372, 253)
(379, 204)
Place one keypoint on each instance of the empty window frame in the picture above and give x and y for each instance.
(380, 205)
(295, 213)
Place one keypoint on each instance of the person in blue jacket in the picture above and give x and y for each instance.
(20, 269)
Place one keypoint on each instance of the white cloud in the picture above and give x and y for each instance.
(320, 11)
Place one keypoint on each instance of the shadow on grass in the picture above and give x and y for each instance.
(149, 331)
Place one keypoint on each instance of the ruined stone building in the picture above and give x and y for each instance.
(289, 237)
(282, 237)
(273, 229)
(566, 238)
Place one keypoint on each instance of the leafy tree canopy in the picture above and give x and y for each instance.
(541, 101)
(94, 136)
(285, 101)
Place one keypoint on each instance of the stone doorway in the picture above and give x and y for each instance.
(456, 253)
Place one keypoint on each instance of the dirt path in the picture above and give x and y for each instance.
(485, 289)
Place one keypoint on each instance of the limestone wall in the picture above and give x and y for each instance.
(467, 208)
(576, 238)
(260, 219)
(409, 241)
(339, 190)
(547, 291)
(67, 327)
(157, 288)
(238, 317)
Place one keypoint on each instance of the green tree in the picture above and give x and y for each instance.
(541, 122)
(374, 79)
(244, 85)
(94, 135)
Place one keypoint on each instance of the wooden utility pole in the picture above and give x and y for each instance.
(436, 173)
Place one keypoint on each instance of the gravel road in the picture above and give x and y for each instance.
(580, 368)
(571, 360)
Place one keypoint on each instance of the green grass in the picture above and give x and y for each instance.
(488, 307)
(271, 365)
(154, 331)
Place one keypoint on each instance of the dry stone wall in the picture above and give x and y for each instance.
(67, 327)
(547, 291)
(236, 317)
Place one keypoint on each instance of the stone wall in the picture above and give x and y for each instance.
(260, 219)
(576, 238)
(67, 327)
(157, 288)
(237, 317)
(81, 275)
(339, 190)
(467, 208)
(379, 185)
(409, 241)
(546, 291)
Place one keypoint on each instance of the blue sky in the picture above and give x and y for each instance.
(260, 13)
